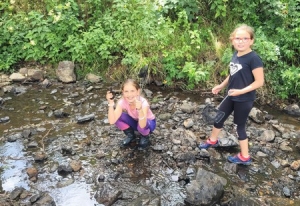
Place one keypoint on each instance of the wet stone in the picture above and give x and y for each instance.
(230, 168)
(115, 161)
(26, 133)
(33, 144)
(65, 183)
(286, 191)
(276, 164)
(243, 173)
(164, 116)
(53, 167)
(67, 150)
(187, 108)
(190, 171)
(14, 137)
(158, 147)
(40, 156)
(188, 156)
(60, 114)
(85, 118)
(4, 119)
(15, 194)
(76, 165)
(175, 178)
(295, 165)
(34, 198)
(101, 178)
(32, 172)
(64, 169)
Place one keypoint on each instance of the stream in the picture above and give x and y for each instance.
(58, 142)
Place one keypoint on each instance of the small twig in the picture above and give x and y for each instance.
(42, 141)
(166, 164)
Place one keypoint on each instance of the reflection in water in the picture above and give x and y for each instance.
(13, 174)
(76, 194)
(13, 166)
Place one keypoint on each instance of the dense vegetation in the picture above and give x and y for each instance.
(183, 42)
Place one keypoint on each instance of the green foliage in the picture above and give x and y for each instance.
(219, 7)
(171, 8)
(179, 40)
(227, 55)
(34, 36)
(195, 73)
(291, 78)
(10, 41)
(285, 81)
(267, 50)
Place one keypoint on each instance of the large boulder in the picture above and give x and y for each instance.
(206, 189)
(65, 72)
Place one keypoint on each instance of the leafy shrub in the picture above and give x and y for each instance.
(185, 41)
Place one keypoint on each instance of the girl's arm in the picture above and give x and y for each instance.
(259, 79)
(142, 112)
(114, 114)
(219, 87)
(142, 117)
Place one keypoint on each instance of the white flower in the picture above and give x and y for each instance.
(12, 1)
(50, 12)
(277, 50)
(32, 42)
(56, 18)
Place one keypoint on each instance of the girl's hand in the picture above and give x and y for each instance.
(234, 92)
(216, 89)
(138, 103)
(109, 96)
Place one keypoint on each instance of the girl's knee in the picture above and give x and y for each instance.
(240, 138)
(144, 131)
(219, 125)
(241, 131)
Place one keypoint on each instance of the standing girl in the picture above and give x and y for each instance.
(132, 113)
(246, 75)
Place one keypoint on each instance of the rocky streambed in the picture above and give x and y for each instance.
(57, 148)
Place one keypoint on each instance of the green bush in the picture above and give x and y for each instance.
(180, 41)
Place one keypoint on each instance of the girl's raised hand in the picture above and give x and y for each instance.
(138, 103)
(109, 96)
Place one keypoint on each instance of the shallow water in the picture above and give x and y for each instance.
(24, 112)
(12, 163)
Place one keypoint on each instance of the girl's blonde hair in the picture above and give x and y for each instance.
(244, 27)
(132, 82)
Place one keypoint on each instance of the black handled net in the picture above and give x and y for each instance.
(211, 114)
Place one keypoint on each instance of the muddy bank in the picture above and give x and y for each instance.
(58, 149)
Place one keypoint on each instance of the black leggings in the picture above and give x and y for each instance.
(241, 112)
